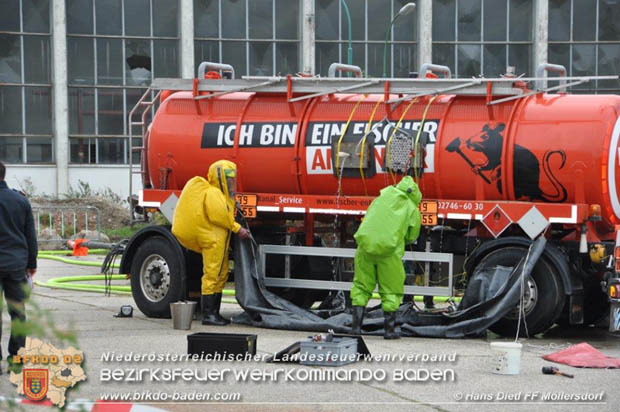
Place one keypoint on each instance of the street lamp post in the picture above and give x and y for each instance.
(350, 49)
(406, 9)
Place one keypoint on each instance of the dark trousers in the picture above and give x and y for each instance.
(14, 285)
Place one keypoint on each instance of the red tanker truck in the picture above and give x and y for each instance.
(499, 162)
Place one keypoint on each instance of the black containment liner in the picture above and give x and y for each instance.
(220, 343)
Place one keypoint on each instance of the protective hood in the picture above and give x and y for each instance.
(410, 187)
(219, 171)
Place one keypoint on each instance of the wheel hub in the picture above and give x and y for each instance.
(154, 278)
(530, 298)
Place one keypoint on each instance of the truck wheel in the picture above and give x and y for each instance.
(544, 294)
(156, 278)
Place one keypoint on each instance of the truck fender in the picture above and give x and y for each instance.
(138, 239)
(571, 282)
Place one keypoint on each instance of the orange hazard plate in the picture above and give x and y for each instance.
(246, 200)
(428, 209)
(248, 204)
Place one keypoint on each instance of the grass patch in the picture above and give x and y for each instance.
(124, 232)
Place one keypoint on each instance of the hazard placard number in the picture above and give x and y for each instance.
(248, 204)
(428, 209)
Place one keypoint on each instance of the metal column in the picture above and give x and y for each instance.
(61, 104)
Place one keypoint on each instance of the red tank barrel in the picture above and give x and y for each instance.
(543, 148)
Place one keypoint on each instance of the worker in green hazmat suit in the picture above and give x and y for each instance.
(392, 220)
(204, 220)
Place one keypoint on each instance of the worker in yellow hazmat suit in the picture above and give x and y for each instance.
(204, 221)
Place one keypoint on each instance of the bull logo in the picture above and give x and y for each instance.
(526, 167)
(36, 383)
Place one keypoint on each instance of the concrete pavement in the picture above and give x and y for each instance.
(473, 387)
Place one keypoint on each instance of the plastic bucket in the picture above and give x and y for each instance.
(182, 314)
(506, 357)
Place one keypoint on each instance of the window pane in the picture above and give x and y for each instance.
(109, 61)
(469, 20)
(39, 150)
(359, 55)
(443, 20)
(12, 149)
(520, 56)
(81, 110)
(494, 21)
(132, 97)
(79, 17)
(559, 54)
(325, 54)
(37, 59)
(36, 16)
(609, 16)
(260, 15)
(583, 62)
(82, 151)
(10, 58)
(609, 64)
(404, 60)
(206, 51)
(261, 58)
(379, 22)
(494, 60)
(520, 20)
(137, 18)
(444, 54)
(110, 111)
(287, 19)
(165, 18)
(137, 62)
(376, 62)
(81, 69)
(287, 58)
(559, 20)
(326, 19)
(233, 21)
(166, 58)
(233, 53)
(10, 109)
(111, 151)
(584, 20)
(358, 21)
(407, 28)
(9, 18)
(38, 110)
(206, 18)
(108, 16)
(469, 60)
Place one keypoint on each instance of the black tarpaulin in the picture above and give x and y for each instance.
(491, 294)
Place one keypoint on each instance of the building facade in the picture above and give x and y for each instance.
(71, 70)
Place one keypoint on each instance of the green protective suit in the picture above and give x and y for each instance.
(391, 221)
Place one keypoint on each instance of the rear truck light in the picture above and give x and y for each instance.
(594, 213)
(617, 259)
(614, 290)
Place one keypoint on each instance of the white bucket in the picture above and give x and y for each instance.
(506, 357)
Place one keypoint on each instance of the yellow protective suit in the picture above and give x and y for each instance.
(203, 221)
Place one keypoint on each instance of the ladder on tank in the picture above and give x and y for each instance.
(145, 105)
(303, 88)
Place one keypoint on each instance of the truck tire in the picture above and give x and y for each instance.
(544, 294)
(156, 278)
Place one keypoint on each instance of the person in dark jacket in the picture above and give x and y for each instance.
(18, 257)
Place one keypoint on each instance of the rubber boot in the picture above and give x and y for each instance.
(390, 326)
(217, 309)
(210, 312)
(358, 318)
